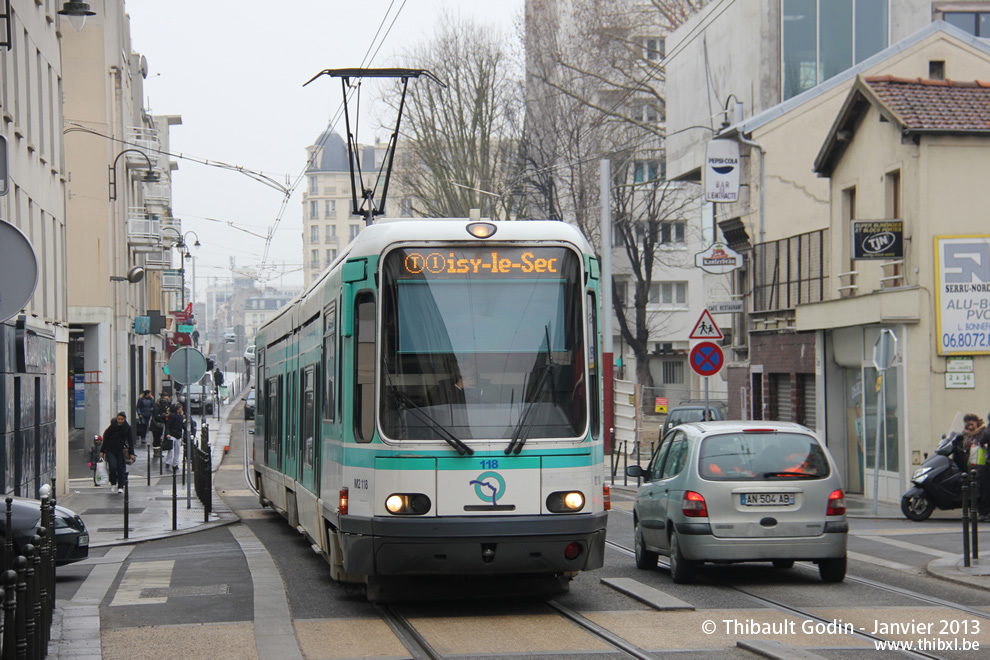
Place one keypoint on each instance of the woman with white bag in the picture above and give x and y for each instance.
(172, 440)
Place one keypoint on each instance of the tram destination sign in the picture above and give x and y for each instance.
(489, 263)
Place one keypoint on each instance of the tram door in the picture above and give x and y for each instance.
(309, 440)
(290, 467)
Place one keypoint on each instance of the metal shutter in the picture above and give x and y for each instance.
(784, 412)
(809, 400)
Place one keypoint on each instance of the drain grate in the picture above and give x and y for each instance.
(109, 511)
(113, 530)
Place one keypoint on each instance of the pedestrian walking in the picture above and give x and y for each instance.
(158, 418)
(172, 441)
(145, 409)
(217, 382)
(976, 447)
(117, 442)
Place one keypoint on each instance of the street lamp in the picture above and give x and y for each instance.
(150, 176)
(77, 13)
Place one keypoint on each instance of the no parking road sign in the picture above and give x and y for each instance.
(706, 359)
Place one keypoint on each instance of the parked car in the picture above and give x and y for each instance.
(249, 353)
(730, 491)
(249, 405)
(199, 397)
(71, 536)
(685, 413)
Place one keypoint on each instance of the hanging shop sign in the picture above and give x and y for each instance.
(718, 259)
(878, 239)
(722, 171)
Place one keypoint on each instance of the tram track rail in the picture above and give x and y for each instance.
(798, 611)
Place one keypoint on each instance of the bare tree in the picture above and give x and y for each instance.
(460, 143)
(596, 90)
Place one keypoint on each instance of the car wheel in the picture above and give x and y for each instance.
(783, 563)
(681, 570)
(917, 507)
(645, 560)
(832, 570)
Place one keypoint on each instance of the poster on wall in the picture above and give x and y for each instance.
(962, 294)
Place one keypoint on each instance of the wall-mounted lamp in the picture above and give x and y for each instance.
(134, 275)
(149, 177)
(77, 13)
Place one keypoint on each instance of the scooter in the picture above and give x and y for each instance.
(938, 482)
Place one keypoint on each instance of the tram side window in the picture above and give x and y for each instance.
(591, 341)
(273, 425)
(364, 367)
(329, 361)
(309, 414)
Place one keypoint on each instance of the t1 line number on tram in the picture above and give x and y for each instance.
(494, 263)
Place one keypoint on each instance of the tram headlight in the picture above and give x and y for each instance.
(481, 229)
(407, 504)
(565, 501)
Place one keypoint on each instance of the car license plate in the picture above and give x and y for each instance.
(83, 539)
(767, 499)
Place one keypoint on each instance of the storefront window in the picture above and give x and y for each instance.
(889, 454)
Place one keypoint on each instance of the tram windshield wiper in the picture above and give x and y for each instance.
(402, 400)
(523, 427)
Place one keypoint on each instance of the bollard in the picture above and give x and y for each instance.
(175, 510)
(9, 604)
(208, 479)
(204, 438)
(148, 464)
(29, 600)
(625, 464)
(127, 507)
(974, 512)
(964, 479)
(41, 612)
(20, 614)
(37, 596)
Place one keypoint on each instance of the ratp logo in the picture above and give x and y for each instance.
(489, 486)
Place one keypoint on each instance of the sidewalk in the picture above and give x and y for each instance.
(76, 626)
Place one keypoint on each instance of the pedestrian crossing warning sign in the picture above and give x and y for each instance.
(705, 328)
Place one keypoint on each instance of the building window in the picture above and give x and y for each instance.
(331, 233)
(355, 230)
(977, 23)
(331, 255)
(314, 234)
(405, 207)
(314, 209)
(314, 258)
(670, 294)
(314, 185)
(619, 293)
(673, 372)
(822, 38)
(653, 48)
(330, 208)
(649, 170)
(672, 231)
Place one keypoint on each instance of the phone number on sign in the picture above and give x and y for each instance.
(966, 340)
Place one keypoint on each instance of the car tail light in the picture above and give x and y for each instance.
(836, 503)
(342, 503)
(572, 551)
(693, 505)
(607, 498)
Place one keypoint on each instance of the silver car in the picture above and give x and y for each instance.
(740, 491)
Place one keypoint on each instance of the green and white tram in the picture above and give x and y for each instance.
(432, 404)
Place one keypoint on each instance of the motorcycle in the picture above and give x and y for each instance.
(938, 482)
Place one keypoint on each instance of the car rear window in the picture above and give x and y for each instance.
(762, 456)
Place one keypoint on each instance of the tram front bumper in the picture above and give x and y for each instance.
(468, 546)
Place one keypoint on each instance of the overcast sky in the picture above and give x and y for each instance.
(234, 70)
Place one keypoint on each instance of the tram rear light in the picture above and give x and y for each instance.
(407, 504)
(342, 502)
(481, 229)
(607, 498)
(572, 551)
(565, 501)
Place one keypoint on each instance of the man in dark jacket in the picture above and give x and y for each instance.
(145, 409)
(158, 418)
(175, 428)
(117, 443)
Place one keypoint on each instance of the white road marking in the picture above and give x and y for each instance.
(143, 575)
(925, 550)
(855, 556)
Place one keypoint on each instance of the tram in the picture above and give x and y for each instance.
(431, 405)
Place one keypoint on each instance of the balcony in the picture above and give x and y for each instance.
(786, 273)
(160, 259)
(172, 280)
(158, 194)
(143, 139)
(143, 232)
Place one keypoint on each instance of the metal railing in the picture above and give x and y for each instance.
(791, 271)
(27, 588)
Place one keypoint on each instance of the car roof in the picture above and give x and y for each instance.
(735, 425)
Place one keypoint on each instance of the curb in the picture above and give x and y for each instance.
(946, 568)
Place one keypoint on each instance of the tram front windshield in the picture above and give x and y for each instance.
(483, 343)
